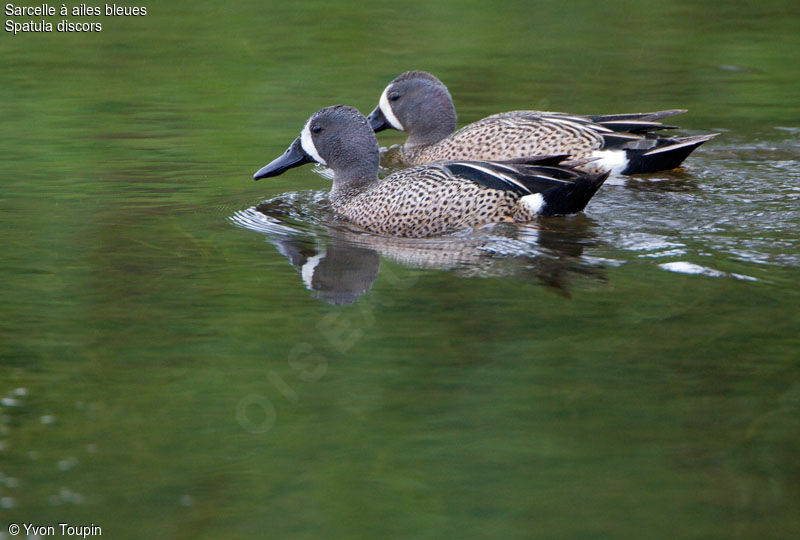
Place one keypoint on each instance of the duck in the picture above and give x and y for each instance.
(419, 104)
(433, 199)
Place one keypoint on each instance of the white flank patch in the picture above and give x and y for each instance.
(613, 161)
(307, 271)
(388, 113)
(535, 202)
(308, 144)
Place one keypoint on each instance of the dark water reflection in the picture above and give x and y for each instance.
(339, 264)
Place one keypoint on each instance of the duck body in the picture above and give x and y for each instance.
(418, 103)
(442, 198)
(431, 199)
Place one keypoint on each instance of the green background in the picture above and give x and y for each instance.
(166, 374)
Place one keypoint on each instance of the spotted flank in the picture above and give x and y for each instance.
(422, 105)
(440, 198)
(433, 199)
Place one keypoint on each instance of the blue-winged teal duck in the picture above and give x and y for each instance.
(428, 200)
(419, 104)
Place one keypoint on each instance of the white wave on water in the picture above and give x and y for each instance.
(683, 267)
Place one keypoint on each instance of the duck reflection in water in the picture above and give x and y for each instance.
(339, 264)
(336, 272)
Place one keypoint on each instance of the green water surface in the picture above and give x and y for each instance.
(165, 372)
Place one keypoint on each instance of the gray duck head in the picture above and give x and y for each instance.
(419, 104)
(338, 137)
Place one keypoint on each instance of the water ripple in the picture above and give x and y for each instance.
(684, 267)
(736, 201)
(734, 206)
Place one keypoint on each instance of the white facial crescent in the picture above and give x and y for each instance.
(387, 111)
(308, 144)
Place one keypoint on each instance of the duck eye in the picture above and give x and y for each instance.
(394, 96)
(315, 129)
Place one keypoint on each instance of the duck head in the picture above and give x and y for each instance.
(419, 104)
(337, 137)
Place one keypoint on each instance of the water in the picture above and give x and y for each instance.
(189, 353)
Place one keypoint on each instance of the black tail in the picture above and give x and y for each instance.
(571, 197)
(668, 153)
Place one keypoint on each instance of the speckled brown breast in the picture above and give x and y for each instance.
(421, 202)
(510, 135)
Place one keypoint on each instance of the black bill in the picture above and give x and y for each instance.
(293, 157)
(377, 121)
